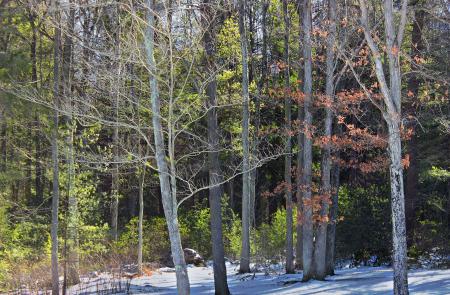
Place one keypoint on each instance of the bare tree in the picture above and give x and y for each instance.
(391, 111)
(166, 177)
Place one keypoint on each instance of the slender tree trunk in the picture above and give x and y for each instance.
(307, 148)
(168, 197)
(412, 175)
(3, 152)
(141, 217)
(321, 236)
(246, 177)
(288, 148)
(72, 222)
(115, 24)
(331, 229)
(34, 77)
(256, 99)
(298, 180)
(215, 190)
(261, 84)
(55, 192)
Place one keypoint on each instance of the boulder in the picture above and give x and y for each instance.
(192, 257)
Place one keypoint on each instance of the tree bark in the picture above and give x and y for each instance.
(115, 25)
(72, 217)
(298, 180)
(398, 210)
(331, 229)
(215, 177)
(246, 176)
(392, 115)
(307, 148)
(55, 192)
(141, 217)
(288, 148)
(168, 197)
(321, 235)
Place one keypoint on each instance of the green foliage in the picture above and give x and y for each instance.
(92, 241)
(270, 238)
(156, 246)
(30, 240)
(366, 225)
(196, 231)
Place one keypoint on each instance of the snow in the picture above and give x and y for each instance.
(362, 280)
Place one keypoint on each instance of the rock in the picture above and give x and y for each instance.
(192, 257)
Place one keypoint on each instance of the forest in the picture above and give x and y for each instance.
(226, 147)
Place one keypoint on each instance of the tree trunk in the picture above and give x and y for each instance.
(72, 222)
(246, 177)
(288, 148)
(168, 198)
(307, 148)
(38, 149)
(115, 25)
(141, 217)
(321, 235)
(392, 115)
(298, 180)
(412, 175)
(55, 192)
(331, 229)
(215, 177)
(398, 210)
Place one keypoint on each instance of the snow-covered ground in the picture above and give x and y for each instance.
(363, 280)
(366, 280)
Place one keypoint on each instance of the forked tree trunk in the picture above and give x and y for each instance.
(168, 197)
(320, 245)
(308, 233)
(288, 148)
(246, 177)
(215, 177)
(392, 115)
(55, 162)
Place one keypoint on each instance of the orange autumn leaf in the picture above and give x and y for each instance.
(395, 50)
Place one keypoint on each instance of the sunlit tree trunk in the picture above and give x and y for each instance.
(168, 195)
(391, 112)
